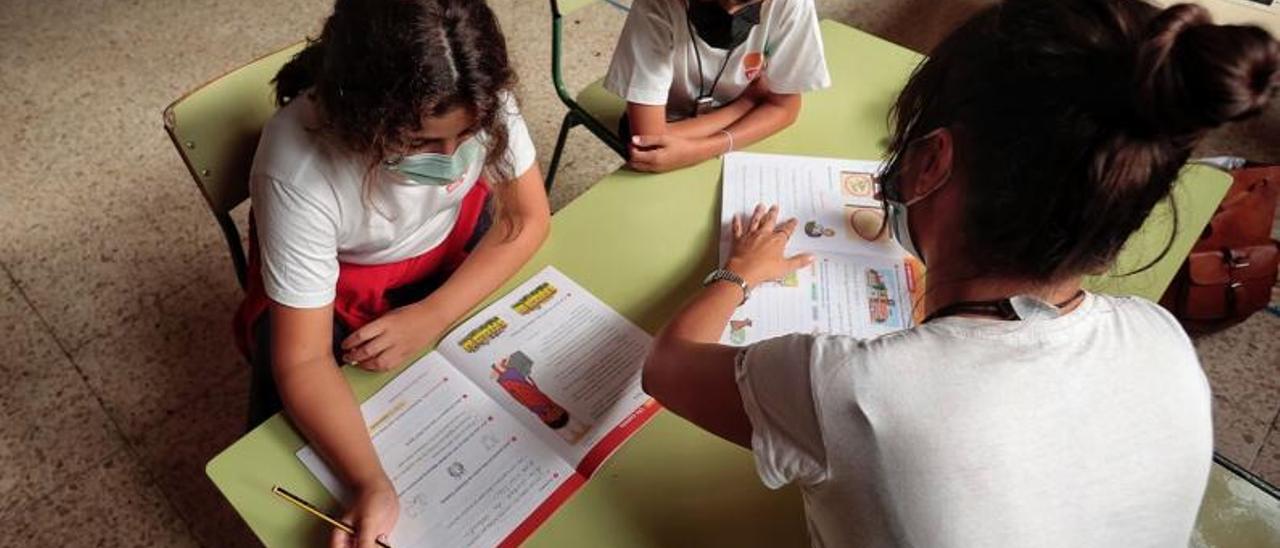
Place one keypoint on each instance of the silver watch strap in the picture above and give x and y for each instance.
(721, 274)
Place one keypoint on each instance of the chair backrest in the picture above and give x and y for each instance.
(564, 7)
(216, 126)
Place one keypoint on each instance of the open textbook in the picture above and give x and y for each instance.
(486, 436)
(861, 283)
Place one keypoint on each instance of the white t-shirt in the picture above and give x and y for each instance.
(1088, 429)
(313, 208)
(655, 62)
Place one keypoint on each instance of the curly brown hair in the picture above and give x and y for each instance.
(380, 66)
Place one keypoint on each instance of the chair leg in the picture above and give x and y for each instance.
(570, 120)
(232, 236)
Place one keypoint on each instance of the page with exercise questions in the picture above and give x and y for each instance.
(466, 472)
(561, 362)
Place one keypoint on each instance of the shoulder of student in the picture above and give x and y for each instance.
(1144, 314)
(291, 147)
(520, 149)
(790, 8)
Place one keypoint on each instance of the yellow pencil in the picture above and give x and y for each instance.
(297, 501)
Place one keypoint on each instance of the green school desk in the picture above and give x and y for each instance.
(642, 243)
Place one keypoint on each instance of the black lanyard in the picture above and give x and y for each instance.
(702, 80)
(1001, 309)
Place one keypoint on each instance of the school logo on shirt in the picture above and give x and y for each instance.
(752, 64)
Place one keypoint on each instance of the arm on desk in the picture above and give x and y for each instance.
(652, 119)
(322, 406)
(523, 220)
(687, 370)
(659, 146)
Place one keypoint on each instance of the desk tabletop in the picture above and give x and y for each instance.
(642, 243)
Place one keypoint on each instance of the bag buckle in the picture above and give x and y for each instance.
(1235, 260)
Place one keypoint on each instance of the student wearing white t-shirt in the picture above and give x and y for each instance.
(704, 77)
(395, 188)
(1023, 411)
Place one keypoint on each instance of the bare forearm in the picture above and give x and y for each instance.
(492, 263)
(712, 122)
(702, 319)
(686, 370)
(322, 406)
(762, 120)
(691, 374)
(765, 119)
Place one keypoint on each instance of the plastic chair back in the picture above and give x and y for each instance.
(215, 129)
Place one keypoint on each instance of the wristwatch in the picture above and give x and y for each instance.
(721, 274)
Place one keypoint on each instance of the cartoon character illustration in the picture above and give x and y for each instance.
(879, 302)
(515, 375)
(738, 330)
(857, 185)
(814, 229)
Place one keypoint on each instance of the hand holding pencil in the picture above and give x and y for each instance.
(372, 514)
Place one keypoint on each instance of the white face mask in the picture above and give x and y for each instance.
(896, 208)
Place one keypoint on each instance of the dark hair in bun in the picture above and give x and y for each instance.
(1072, 119)
(1194, 75)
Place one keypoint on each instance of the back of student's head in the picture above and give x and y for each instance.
(380, 66)
(1072, 118)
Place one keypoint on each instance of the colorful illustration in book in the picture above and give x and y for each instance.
(535, 299)
(814, 229)
(515, 375)
(866, 223)
(857, 185)
(738, 330)
(792, 279)
(881, 305)
(480, 336)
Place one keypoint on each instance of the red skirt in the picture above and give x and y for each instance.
(366, 292)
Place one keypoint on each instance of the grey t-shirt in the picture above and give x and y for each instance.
(1087, 429)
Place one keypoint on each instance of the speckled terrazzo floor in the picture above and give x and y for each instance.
(116, 289)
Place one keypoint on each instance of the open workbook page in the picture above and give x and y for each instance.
(486, 436)
(860, 284)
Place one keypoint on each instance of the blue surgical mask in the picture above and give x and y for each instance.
(897, 209)
(899, 227)
(432, 169)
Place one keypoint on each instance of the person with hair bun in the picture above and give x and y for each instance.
(395, 189)
(1023, 411)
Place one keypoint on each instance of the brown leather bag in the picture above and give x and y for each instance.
(1232, 267)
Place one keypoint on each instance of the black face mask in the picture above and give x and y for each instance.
(720, 29)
